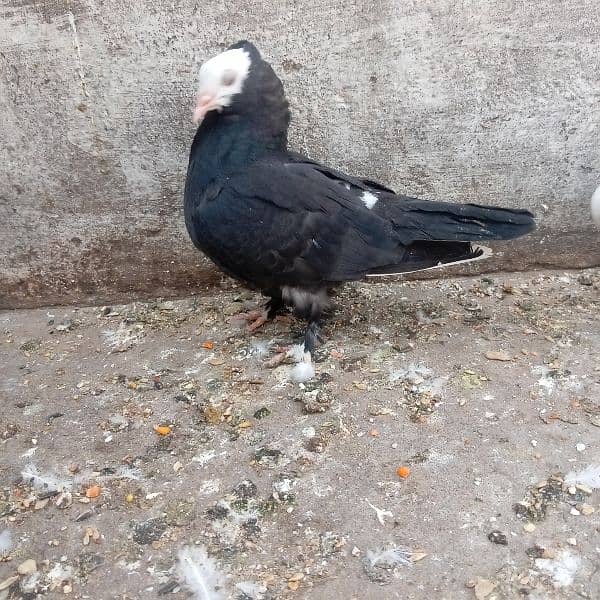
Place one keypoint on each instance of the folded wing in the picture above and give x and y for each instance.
(308, 224)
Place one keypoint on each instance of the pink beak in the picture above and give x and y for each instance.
(204, 104)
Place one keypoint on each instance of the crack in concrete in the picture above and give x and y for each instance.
(77, 47)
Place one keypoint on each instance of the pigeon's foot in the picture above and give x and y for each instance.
(259, 321)
(254, 318)
(282, 353)
(303, 369)
(257, 318)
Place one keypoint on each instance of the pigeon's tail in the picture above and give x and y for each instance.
(420, 256)
(419, 220)
(437, 234)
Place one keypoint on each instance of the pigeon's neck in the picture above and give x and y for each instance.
(228, 142)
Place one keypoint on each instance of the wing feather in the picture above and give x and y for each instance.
(307, 225)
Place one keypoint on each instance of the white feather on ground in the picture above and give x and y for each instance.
(200, 573)
(44, 481)
(389, 557)
(125, 472)
(58, 574)
(47, 481)
(260, 348)
(590, 476)
(5, 542)
(562, 568)
(380, 512)
(421, 379)
(253, 590)
(123, 338)
(30, 584)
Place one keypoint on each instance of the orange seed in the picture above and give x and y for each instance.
(162, 429)
(93, 491)
(403, 472)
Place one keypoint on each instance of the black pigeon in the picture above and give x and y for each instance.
(293, 228)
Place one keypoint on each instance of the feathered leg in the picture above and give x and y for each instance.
(312, 337)
(308, 304)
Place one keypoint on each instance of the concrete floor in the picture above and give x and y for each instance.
(131, 432)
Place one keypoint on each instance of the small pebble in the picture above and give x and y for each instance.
(572, 490)
(497, 537)
(586, 509)
(572, 541)
(27, 566)
(355, 551)
(575, 512)
(529, 527)
(580, 447)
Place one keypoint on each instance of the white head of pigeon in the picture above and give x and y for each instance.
(595, 206)
(221, 78)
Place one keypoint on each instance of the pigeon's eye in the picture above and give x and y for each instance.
(228, 77)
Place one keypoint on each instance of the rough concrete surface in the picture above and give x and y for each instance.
(131, 432)
(464, 101)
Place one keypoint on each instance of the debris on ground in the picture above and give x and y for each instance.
(447, 445)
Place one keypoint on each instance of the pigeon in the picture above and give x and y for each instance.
(595, 206)
(295, 229)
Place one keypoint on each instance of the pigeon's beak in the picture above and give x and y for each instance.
(204, 103)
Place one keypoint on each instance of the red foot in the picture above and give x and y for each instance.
(255, 319)
(279, 358)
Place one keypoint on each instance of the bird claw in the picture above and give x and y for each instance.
(287, 354)
(254, 318)
(258, 322)
(282, 353)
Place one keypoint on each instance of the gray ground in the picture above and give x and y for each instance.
(103, 503)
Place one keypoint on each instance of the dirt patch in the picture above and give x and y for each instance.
(138, 438)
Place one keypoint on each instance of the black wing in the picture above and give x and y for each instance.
(280, 223)
(288, 221)
(363, 184)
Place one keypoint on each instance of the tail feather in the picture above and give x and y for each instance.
(420, 220)
(420, 256)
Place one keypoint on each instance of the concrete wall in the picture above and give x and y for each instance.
(495, 102)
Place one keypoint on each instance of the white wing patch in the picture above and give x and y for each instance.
(369, 200)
